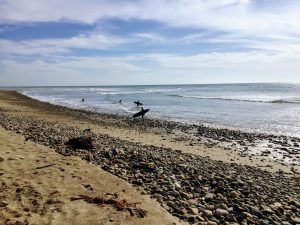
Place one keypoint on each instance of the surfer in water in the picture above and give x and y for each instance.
(141, 113)
(82, 100)
(138, 103)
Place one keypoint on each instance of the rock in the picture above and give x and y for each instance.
(3, 203)
(114, 152)
(192, 219)
(177, 185)
(220, 183)
(276, 205)
(234, 194)
(194, 211)
(184, 195)
(165, 207)
(295, 203)
(183, 211)
(267, 210)
(295, 220)
(247, 215)
(210, 207)
(209, 196)
(207, 212)
(221, 212)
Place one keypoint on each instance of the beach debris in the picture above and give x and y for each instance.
(81, 142)
(120, 205)
(42, 167)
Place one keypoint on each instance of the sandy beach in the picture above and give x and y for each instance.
(178, 174)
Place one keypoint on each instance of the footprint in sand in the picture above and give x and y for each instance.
(29, 198)
(53, 203)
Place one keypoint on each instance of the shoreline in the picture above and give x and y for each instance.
(153, 120)
(279, 148)
(178, 174)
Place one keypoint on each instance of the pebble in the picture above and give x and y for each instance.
(184, 195)
(207, 212)
(177, 185)
(3, 203)
(295, 220)
(234, 194)
(221, 212)
(194, 211)
(209, 196)
(211, 223)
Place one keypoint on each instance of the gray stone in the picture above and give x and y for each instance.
(209, 196)
(221, 212)
(295, 220)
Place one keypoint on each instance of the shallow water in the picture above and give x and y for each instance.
(269, 108)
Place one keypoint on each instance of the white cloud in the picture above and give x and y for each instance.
(272, 33)
(154, 69)
(229, 15)
(244, 19)
(58, 46)
(152, 37)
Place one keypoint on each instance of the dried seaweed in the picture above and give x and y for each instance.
(82, 142)
(121, 205)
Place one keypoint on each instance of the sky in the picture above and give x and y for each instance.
(127, 42)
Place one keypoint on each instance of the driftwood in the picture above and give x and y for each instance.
(42, 167)
(121, 205)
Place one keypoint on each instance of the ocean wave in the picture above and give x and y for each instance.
(276, 101)
(109, 93)
(161, 90)
(148, 91)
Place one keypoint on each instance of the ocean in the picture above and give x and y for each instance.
(263, 107)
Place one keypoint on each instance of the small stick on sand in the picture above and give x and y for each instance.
(42, 167)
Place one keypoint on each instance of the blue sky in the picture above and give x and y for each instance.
(105, 42)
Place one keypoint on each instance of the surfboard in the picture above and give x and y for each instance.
(138, 103)
(141, 113)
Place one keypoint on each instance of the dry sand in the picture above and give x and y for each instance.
(34, 194)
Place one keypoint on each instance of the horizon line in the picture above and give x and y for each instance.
(127, 85)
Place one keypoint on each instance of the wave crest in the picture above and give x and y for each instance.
(277, 101)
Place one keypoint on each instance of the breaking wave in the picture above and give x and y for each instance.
(277, 101)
